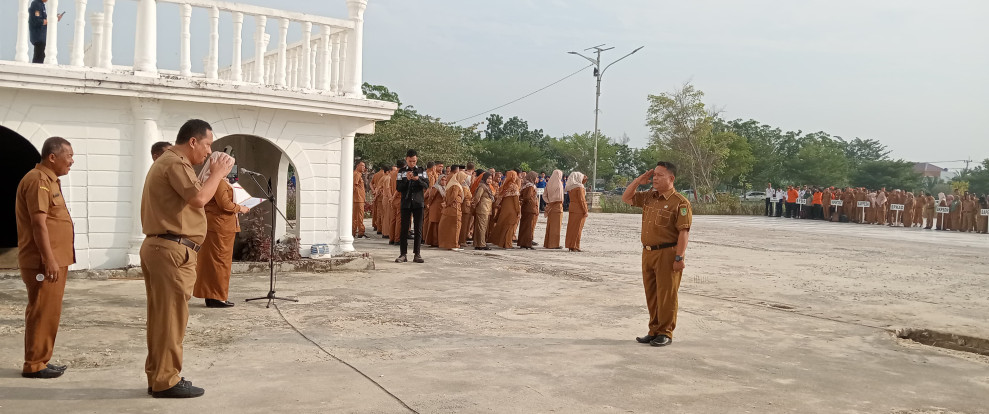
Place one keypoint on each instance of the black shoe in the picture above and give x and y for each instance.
(183, 389)
(57, 367)
(383, 236)
(401, 259)
(418, 259)
(645, 339)
(44, 373)
(149, 390)
(661, 340)
(391, 243)
(213, 303)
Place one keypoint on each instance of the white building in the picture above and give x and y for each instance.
(301, 104)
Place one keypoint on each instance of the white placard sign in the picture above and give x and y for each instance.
(802, 201)
(896, 207)
(944, 210)
(540, 191)
(838, 203)
(985, 212)
(864, 204)
(774, 200)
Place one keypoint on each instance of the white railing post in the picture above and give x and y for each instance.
(307, 55)
(324, 57)
(259, 49)
(355, 51)
(238, 74)
(96, 43)
(185, 39)
(23, 31)
(79, 38)
(51, 48)
(106, 52)
(213, 64)
(282, 52)
(335, 64)
(146, 41)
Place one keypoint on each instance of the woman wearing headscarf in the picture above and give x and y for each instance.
(483, 197)
(530, 210)
(466, 212)
(578, 210)
(449, 229)
(384, 203)
(216, 254)
(554, 210)
(942, 218)
(395, 205)
(507, 202)
(434, 198)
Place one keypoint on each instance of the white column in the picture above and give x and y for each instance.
(214, 44)
(238, 74)
(146, 133)
(146, 41)
(185, 37)
(306, 55)
(51, 48)
(96, 45)
(293, 67)
(282, 53)
(23, 31)
(79, 37)
(355, 51)
(281, 195)
(336, 64)
(259, 49)
(346, 207)
(324, 59)
(106, 55)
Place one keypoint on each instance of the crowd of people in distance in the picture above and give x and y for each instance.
(959, 211)
(467, 207)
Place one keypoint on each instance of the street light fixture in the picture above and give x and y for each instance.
(599, 74)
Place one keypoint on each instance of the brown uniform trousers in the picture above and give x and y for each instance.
(169, 276)
(664, 215)
(358, 224)
(41, 318)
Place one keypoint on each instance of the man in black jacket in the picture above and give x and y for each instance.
(412, 181)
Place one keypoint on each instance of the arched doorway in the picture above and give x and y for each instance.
(260, 155)
(17, 158)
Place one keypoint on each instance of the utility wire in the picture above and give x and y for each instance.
(526, 96)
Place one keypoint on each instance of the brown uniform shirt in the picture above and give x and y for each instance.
(165, 209)
(40, 191)
(221, 211)
(663, 216)
(360, 196)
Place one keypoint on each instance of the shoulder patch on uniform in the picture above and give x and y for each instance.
(46, 189)
(683, 211)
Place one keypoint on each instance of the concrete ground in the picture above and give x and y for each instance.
(776, 316)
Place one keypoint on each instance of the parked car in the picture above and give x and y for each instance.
(754, 195)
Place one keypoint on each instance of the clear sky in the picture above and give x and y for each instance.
(912, 74)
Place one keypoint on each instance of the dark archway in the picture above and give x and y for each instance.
(16, 159)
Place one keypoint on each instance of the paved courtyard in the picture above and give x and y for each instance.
(777, 316)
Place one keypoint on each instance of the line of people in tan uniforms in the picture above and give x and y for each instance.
(466, 206)
(964, 210)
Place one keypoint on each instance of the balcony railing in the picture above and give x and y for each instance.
(327, 61)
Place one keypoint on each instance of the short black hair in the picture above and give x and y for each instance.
(669, 167)
(469, 166)
(479, 171)
(430, 165)
(193, 128)
(454, 168)
(400, 163)
(437, 163)
(358, 162)
(159, 147)
(53, 145)
(411, 153)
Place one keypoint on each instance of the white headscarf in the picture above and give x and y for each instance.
(554, 187)
(204, 173)
(575, 180)
(439, 187)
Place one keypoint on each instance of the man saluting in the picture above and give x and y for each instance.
(666, 217)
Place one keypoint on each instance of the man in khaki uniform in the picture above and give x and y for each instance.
(175, 224)
(375, 208)
(360, 198)
(666, 218)
(45, 243)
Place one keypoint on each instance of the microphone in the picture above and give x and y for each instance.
(246, 171)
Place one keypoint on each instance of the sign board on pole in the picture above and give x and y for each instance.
(985, 212)
(896, 207)
(540, 191)
(838, 203)
(802, 201)
(864, 204)
(944, 210)
(774, 200)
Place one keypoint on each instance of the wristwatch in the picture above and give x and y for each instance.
(677, 258)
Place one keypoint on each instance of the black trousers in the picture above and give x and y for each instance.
(779, 208)
(769, 207)
(407, 216)
(39, 53)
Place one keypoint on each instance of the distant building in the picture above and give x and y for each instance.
(928, 170)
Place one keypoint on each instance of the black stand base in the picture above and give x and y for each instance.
(270, 297)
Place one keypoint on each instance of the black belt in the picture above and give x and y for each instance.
(183, 241)
(659, 246)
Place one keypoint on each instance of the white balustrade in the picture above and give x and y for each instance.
(328, 61)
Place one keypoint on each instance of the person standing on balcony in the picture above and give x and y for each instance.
(38, 25)
(46, 248)
(174, 222)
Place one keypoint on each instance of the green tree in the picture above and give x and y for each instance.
(891, 174)
(820, 161)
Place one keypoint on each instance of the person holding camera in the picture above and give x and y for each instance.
(412, 181)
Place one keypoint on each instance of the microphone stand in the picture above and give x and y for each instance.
(270, 196)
